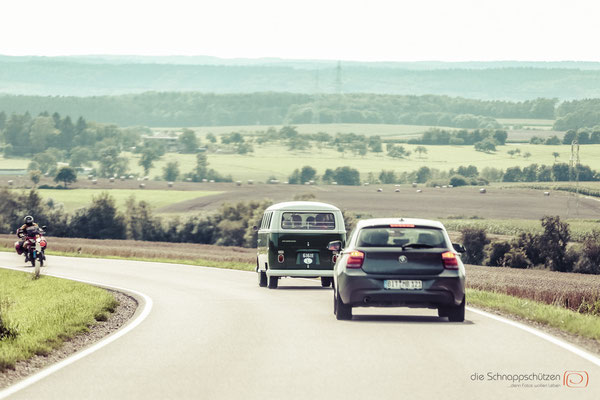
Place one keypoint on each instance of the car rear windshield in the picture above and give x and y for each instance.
(418, 237)
(307, 220)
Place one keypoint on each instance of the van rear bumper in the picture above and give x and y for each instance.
(301, 273)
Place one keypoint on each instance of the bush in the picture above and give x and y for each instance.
(532, 247)
(496, 252)
(516, 258)
(474, 240)
(589, 260)
(458, 180)
(555, 238)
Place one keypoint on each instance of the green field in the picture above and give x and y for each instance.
(332, 129)
(526, 121)
(13, 163)
(277, 161)
(77, 198)
(579, 228)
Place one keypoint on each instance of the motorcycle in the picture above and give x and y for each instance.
(34, 246)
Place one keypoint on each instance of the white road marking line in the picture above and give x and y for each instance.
(78, 356)
(567, 346)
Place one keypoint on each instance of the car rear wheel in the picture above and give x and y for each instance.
(262, 279)
(442, 312)
(326, 281)
(272, 282)
(457, 313)
(342, 311)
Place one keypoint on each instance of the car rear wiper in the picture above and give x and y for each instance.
(417, 246)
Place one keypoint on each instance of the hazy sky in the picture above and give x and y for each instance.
(372, 30)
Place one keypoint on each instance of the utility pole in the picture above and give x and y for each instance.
(574, 163)
(316, 116)
(338, 91)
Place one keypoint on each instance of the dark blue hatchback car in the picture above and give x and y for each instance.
(399, 262)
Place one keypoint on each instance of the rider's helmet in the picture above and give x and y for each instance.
(28, 220)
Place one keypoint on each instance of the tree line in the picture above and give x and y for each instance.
(280, 108)
(231, 225)
(576, 114)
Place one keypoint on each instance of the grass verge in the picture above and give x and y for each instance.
(587, 326)
(36, 316)
(199, 262)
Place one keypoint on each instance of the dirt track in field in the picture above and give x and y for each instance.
(430, 203)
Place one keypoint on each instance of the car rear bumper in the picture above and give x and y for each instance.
(367, 291)
(301, 273)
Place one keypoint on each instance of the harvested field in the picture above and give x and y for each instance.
(577, 292)
(467, 202)
(140, 249)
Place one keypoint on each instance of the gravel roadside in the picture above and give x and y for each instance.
(125, 310)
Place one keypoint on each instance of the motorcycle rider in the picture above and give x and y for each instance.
(22, 233)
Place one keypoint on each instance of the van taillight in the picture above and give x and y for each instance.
(450, 260)
(280, 258)
(355, 259)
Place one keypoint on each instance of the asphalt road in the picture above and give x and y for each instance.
(214, 334)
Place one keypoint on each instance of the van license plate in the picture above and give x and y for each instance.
(397, 284)
(308, 258)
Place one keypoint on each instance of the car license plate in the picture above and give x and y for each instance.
(397, 284)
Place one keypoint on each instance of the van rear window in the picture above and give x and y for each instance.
(307, 220)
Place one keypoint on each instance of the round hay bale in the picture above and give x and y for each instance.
(334, 183)
(90, 177)
(238, 183)
(250, 182)
(450, 186)
(170, 184)
(482, 190)
(397, 190)
(94, 181)
(10, 182)
(122, 177)
(419, 191)
(414, 184)
(111, 180)
(188, 179)
(546, 193)
(379, 190)
(204, 180)
(142, 185)
(212, 181)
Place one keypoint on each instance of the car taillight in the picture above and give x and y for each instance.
(334, 258)
(450, 260)
(280, 258)
(355, 259)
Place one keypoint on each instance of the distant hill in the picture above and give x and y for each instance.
(110, 75)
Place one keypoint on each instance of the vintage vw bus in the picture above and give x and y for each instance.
(292, 242)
